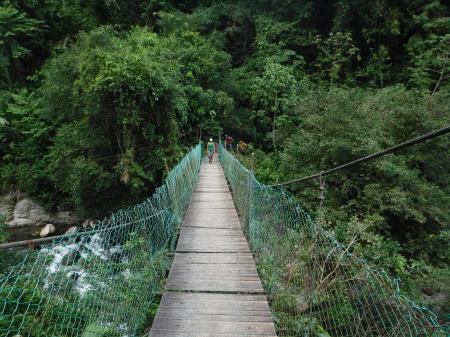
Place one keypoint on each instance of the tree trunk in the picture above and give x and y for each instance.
(438, 83)
(274, 121)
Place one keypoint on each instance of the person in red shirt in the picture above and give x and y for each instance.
(229, 143)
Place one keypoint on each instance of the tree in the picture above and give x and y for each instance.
(108, 97)
(335, 53)
(15, 27)
(272, 94)
(430, 51)
(401, 198)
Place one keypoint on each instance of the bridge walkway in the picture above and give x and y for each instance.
(213, 288)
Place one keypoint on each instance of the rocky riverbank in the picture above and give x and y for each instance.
(26, 219)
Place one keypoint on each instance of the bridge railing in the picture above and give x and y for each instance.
(100, 281)
(315, 286)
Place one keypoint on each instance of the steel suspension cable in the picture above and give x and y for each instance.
(420, 139)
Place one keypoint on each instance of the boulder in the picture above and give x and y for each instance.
(47, 230)
(87, 223)
(75, 275)
(70, 258)
(28, 213)
(66, 218)
(71, 230)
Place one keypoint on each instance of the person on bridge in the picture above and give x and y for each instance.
(211, 148)
(229, 142)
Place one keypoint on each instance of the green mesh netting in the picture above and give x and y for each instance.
(100, 281)
(315, 286)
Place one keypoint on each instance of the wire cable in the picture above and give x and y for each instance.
(420, 139)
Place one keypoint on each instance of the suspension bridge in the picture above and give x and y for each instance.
(213, 285)
(212, 253)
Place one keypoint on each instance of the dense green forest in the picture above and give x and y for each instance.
(100, 98)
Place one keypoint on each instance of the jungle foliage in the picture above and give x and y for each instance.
(99, 98)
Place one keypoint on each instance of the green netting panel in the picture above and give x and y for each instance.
(315, 286)
(100, 281)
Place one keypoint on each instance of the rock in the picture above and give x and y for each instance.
(66, 218)
(7, 202)
(71, 257)
(87, 223)
(47, 230)
(28, 213)
(71, 230)
(74, 276)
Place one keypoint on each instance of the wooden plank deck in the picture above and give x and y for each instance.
(213, 289)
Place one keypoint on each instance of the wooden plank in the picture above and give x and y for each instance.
(222, 218)
(209, 212)
(209, 182)
(239, 264)
(211, 204)
(191, 298)
(210, 225)
(215, 232)
(232, 268)
(186, 246)
(192, 213)
(213, 196)
(212, 271)
(206, 190)
(212, 240)
(220, 285)
(210, 309)
(208, 315)
(223, 193)
(215, 178)
(257, 328)
(186, 230)
(205, 248)
(207, 280)
(165, 333)
(212, 221)
(212, 174)
(222, 258)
